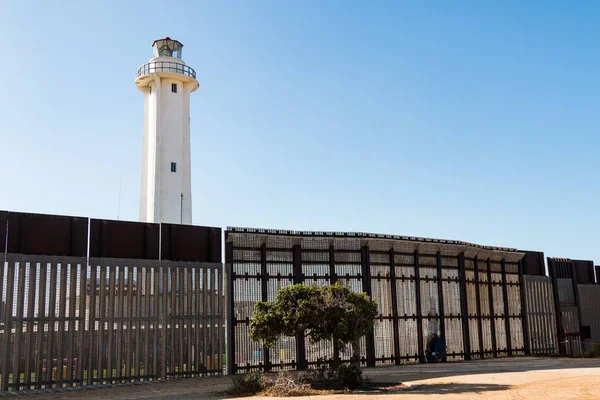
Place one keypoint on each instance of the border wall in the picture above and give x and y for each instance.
(471, 295)
(90, 302)
(135, 302)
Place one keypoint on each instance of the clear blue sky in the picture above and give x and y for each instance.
(467, 120)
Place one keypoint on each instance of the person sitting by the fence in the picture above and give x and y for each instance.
(436, 348)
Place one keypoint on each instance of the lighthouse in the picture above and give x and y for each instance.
(166, 82)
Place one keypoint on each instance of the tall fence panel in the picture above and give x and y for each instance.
(423, 288)
(589, 296)
(69, 322)
(541, 318)
(566, 299)
(406, 289)
(382, 279)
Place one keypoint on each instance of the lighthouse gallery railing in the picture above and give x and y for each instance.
(166, 66)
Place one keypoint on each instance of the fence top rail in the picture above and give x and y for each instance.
(537, 278)
(132, 262)
(106, 261)
(362, 235)
(378, 242)
(35, 258)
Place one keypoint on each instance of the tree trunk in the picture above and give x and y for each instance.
(356, 352)
(336, 351)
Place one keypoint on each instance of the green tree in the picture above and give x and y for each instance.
(332, 313)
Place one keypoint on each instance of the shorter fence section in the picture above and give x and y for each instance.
(469, 295)
(65, 321)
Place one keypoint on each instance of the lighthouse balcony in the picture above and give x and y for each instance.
(165, 69)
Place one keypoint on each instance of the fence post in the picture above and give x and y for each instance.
(394, 307)
(332, 274)
(18, 323)
(464, 309)
(478, 304)
(506, 309)
(366, 276)
(165, 314)
(299, 278)
(155, 316)
(440, 287)
(526, 344)
(559, 326)
(575, 282)
(230, 309)
(264, 280)
(333, 281)
(492, 314)
(89, 345)
(3, 313)
(421, 343)
(10, 285)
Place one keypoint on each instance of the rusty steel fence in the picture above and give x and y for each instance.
(92, 302)
(541, 316)
(70, 321)
(470, 295)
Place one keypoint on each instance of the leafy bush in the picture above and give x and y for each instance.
(349, 376)
(332, 313)
(248, 384)
(334, 376)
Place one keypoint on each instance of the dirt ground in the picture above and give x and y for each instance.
(508, 378)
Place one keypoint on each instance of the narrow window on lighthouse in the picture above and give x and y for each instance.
(173, 167)
(149, 89)
(174, 87)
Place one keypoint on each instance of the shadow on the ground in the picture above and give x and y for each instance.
(438, 389)
(416, 372)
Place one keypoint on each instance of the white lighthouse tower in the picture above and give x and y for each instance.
(166, 81)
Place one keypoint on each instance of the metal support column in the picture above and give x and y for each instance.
(478, 295)
(506, 309)
(8, 316)
(492, 314)
(440, 287)
(464, 309)
(559, 325)
(264, 280)
(366, 278)
(421, 343)
(575, 282)
(394, 307)
(332, 274)
(526, 343)
(299, 278)
(231, 367)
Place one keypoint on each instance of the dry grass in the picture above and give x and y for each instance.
(287, 384)
(305, 383)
